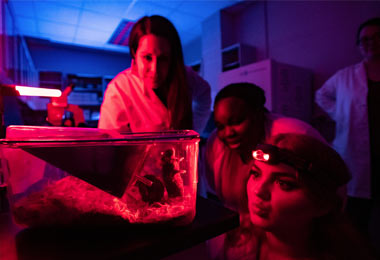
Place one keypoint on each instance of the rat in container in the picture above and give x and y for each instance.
(171, 173)
(151, 188)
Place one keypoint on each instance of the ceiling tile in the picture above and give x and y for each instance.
(183, 21)
(74, 3)
(142, 8)
(50, 28)
(93, 21)
(91, 35)
(54, 11)
(113, 8)
(23, 8)
(204, 8)
(98, 21)
(171, 4)
(26, 26)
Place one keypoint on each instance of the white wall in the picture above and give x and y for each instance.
(317, 35)
(76, 60)
(192, 52)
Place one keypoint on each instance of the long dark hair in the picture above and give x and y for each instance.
(333, 234)
(176, 90)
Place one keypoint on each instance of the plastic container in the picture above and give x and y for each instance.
(66, 176)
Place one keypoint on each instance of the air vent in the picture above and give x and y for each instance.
(121, 34)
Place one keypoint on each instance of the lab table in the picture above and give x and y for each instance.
(114, 242)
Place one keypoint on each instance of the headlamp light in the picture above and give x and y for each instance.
(273, 155)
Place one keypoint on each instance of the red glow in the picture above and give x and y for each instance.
(70, 200)
(38, 92)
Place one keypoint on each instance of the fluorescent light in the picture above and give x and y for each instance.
(38, 92)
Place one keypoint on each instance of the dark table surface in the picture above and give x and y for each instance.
(113, 242)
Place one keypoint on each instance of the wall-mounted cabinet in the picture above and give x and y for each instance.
(237, 55)
(50, 79)
(288, 88)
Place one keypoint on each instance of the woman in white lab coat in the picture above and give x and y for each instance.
(158, 92)
(351, 99)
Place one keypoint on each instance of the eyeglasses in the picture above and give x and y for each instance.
(364, 41)
(273, 155)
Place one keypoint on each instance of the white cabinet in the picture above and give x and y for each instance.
(288, 88)
(237, 55)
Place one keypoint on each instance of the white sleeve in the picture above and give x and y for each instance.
(325, 97)
(212, 150)
(201, 100)
(112, 112)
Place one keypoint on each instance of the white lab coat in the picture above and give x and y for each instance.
(344, 98)
(128, 106)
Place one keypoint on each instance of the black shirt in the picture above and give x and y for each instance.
(374, 134)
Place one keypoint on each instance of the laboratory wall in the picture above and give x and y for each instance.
(48, 56)
(316, 35)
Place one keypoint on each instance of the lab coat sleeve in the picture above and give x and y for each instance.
(113, 114)
(212, 150)
(326, 96)
(201, 100)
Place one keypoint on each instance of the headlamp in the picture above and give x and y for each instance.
(273, 155)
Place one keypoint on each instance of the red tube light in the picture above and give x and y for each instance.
(38, 92)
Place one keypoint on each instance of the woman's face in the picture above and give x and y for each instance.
(235, 122)
(152, 60)
(276, 200)
(369, 42)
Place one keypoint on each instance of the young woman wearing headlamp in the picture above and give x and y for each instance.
(294, 204)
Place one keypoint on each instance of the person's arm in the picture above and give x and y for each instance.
(112, 111)
(209, 159)
(326, 96)
(201, 100)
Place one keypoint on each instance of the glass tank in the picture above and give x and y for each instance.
(65, 176)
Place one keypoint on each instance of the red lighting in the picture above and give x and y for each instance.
(38, 92)
(260, 155)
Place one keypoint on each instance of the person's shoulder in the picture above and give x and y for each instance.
(213, 138)
(349, 69)
(214, 143)
(190, 72)
(193, 76)
(124, 80)
(125, 74)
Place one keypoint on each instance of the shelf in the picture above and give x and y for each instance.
(237, 55)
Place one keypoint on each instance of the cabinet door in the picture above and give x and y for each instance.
(257, 73)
